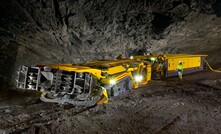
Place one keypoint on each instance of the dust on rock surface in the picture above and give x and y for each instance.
(168, 106)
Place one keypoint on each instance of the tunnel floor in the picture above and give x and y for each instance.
(169, 106)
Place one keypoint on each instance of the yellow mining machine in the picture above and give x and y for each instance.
(84, 84)
(95, 81)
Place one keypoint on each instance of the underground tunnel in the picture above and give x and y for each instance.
(110, 66)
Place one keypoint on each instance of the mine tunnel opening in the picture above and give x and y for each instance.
(160, 23)
(217, 8)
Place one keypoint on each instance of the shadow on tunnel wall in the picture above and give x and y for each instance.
(8, 45)
(217, 8)
(8, 54)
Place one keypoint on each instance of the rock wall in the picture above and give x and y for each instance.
(61, 31)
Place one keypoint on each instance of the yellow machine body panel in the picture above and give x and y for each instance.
(117, 69)
(189, 61)
(165, 65)
(148, 76)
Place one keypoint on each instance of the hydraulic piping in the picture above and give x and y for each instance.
(218, 71)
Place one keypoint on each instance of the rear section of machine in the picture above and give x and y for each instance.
(191, 63)
(165, 65)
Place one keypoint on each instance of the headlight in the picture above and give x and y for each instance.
(131, 57)
(138, 78)
(112, 82)
(152, 59)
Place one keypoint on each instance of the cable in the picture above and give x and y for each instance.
(218, 71)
